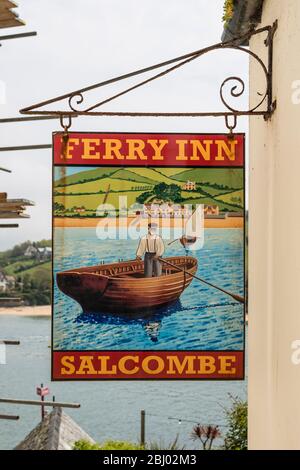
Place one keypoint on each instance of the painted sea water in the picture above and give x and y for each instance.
(109, 410)
(202, 319)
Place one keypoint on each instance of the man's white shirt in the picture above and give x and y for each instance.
(150, 244)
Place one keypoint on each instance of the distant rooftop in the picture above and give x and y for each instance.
(246, 16)
(8, 17)
(56, 432)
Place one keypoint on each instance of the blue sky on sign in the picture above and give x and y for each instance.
(69, 171)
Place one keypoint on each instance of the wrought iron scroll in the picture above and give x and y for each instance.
(237, 86)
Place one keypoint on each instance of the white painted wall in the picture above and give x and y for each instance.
(274, 242)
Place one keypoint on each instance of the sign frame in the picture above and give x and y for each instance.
(76, 353)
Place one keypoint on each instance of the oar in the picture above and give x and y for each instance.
(234, 296)
(173, 241)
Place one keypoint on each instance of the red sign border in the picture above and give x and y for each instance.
(135, 163)
(239, 374)
(238, 352)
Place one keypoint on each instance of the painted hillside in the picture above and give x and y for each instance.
(79, 194)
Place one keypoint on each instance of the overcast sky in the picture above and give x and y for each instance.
(81, 42)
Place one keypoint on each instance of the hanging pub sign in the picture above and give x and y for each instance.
(149, 261)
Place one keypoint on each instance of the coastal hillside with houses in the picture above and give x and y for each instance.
(80, 194)
(25, 274)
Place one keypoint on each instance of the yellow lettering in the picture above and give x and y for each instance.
(104, 366)
(70, 147)
(112, 149)
(135, 149)
(176, 366)
(157, 146)
(226, 365)
(207, 365)
(159, 368)
(181, 149)
(204, 151)
(122, 365)
(86, 366)
(89, 147)
(68, 366)
(224, 148)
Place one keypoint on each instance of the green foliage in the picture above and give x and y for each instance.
(120, 445)
(8, 256)
(37, 285)
(164, 192)
(142, 198)
(228, 10)
(58, 207)
(236, 436)
(11, 269)
(125, 445)
(107, 445)
(33, 277)
(85, 445)
(43, 243)
(17, 252)
(161, 446)
(168, 192)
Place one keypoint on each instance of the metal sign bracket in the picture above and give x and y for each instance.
(265, 107)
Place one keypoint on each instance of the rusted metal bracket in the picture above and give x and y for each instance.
(269, 41)
(236, 84)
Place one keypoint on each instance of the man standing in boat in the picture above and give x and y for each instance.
(152, 247)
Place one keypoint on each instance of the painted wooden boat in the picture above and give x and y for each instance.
(122, 287)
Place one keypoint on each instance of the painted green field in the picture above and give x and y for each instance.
(92, 201)
(87, 187)
(82, 176)
(232, 178)
(236, 197)
(152, 174)
(102, 185)
(170, 171)
(135, 174)
(212, 191)
(210, 201)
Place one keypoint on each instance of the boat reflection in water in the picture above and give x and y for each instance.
(151, 322)
(152, 330)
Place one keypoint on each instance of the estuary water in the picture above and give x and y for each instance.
(203, 318)
(109, 410)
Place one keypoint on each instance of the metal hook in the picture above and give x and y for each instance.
(65, 136)
(66, 127)
(232, 126)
